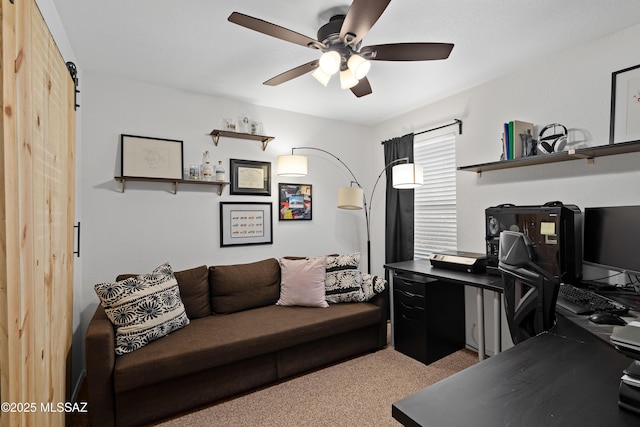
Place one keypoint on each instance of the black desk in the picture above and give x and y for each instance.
(479, 281)
(552, 379)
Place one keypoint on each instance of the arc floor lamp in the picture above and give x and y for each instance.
(405, 176)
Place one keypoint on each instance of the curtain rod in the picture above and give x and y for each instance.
(455, 122)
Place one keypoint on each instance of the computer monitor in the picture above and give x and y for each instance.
(530, 292)
(611, 238)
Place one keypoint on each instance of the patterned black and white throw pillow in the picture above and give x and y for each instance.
(343, 281)
(143, 308)
(372, 285)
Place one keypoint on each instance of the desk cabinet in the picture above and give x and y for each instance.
(428, 317)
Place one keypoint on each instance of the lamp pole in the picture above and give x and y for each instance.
(367, 208)
(368, 215)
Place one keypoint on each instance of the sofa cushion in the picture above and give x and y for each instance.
(194, 290)
(215, 341)
(143, 308)
(243, 286)
(302, 282)
(372, 285)
(344, 280)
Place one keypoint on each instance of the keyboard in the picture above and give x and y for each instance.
(585, 301)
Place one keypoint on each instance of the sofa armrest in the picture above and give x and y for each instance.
(101, 360)
(382, 301)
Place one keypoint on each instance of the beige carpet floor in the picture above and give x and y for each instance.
(358, 392)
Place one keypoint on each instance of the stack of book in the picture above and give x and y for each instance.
(512, 142)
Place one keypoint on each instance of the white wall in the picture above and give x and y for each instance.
(572, 88)
(147, 225)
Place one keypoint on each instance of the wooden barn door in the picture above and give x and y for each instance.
(37, 169)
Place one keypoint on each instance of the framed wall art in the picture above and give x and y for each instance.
(295, 201)
(250, 177)
(625, 105)
(245, 223)
(146, 157)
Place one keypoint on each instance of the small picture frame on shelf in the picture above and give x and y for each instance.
(245, 223)
(295, 202)
(625, 105)
(229, 125)
(244, 124)
(146, 157)
(256, 128)
(250, 178)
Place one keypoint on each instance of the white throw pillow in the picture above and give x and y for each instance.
(302, 282)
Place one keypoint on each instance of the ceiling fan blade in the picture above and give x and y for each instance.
(409, 51)
(292, 73)
(360, 18)
(272, 30)
(362, 88)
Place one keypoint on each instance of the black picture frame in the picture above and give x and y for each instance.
(147, 157)
(294, 202)
(250, 177)
(246, 223)
(625, 106)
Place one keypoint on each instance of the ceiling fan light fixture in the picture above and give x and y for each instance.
(358, 65)
(347, 79)
(321, 76)
(330, 62)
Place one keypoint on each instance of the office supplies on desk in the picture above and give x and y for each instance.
(604, 318)
(627, 341)
(584, 301)
(470, 262)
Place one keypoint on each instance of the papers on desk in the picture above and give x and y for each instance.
(627, 339)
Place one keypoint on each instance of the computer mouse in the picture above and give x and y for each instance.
(607, 319)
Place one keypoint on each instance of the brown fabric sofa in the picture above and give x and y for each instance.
(237, 340)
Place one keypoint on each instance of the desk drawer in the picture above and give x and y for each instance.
(411, 284)
(407, 299)
(411, 332)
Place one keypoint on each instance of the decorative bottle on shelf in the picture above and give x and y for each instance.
(220, 172)
(207, 167)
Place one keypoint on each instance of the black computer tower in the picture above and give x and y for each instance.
(554, 229)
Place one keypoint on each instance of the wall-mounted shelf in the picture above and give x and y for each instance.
(217, 133)
(175, 182)
(588, 153)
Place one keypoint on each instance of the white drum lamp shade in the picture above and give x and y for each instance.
(292, 165)
(351, 198)
(407, 176)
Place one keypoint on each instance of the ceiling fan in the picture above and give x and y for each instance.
(340, 41)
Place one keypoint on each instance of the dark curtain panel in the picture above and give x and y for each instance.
(399, 215)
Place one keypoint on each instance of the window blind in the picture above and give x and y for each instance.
(435, 225)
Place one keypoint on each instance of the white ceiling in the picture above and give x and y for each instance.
(190, 45)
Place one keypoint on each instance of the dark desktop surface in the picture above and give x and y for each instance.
(569, 376)
(564, 377)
